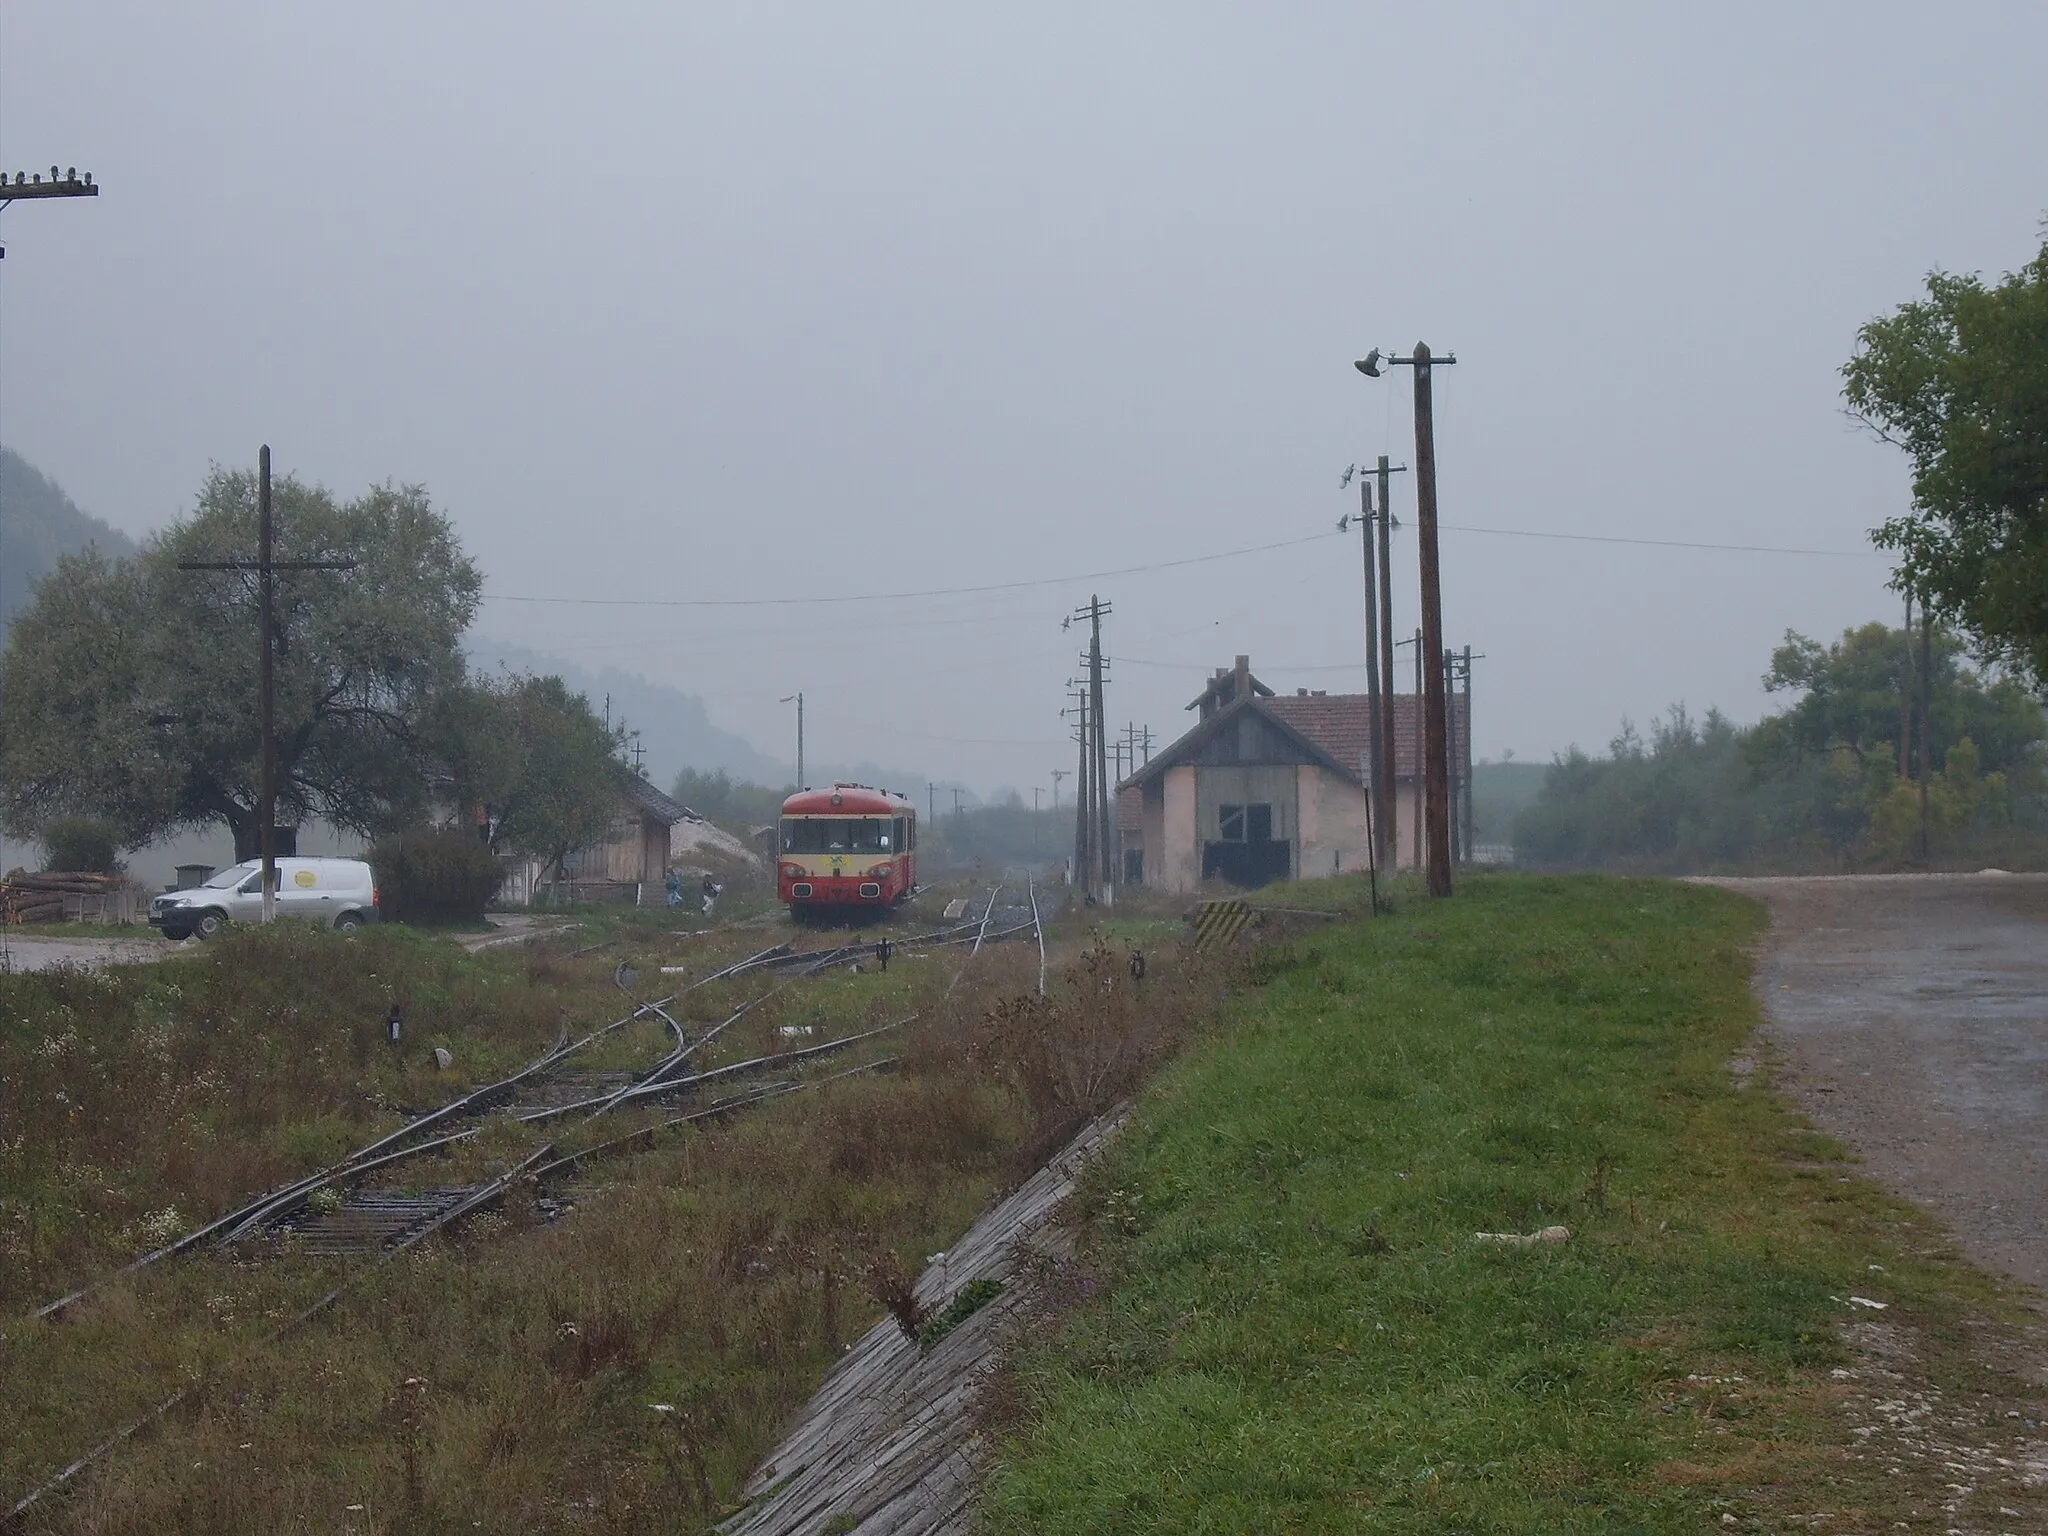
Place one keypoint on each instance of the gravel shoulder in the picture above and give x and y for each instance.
(88, 954)
(1911, 1016)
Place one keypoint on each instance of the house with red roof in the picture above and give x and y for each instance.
(1269, 786)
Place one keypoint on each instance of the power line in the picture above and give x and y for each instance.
(884, 597)
(1165, 565)
(1614, 538)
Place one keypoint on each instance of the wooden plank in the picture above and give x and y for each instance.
(888, 1441)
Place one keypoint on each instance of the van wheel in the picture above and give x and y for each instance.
(348, 922)
(209, 923)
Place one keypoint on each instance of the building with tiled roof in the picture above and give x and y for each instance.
(1270, 786)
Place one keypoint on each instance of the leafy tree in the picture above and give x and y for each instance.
(1813, 786)
(544, 766)
(130, 685)
(723, 798)
(1960, 381)
(1848, 698)
(75, 843)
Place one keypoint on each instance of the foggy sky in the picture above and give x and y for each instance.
(770, 300)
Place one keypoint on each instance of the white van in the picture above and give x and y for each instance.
(335, 893)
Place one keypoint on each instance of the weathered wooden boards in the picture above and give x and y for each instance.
(888, 1445)
(50, 898)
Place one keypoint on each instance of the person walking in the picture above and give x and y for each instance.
(674, 885)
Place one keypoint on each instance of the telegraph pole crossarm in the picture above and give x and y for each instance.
(266, 565)
(23, 188)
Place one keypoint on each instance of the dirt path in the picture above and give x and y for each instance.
(1912, 1014)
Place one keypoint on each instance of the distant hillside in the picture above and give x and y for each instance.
(673, 725)
(38, 522)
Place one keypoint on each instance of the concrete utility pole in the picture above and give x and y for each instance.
(1105, 877)
(1434, 706)
(1470, 816)
(1420, 749)
(931, 801)
(1376, 679)
(1083, 803)
(1926, 727)
(797, 698)
(1386, 534)
(1906, 697)
(266, 565)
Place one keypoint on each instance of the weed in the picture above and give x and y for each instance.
(973, 1296)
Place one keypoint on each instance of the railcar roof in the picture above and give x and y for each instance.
(847, 800)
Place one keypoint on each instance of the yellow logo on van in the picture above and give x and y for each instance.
(304, 879)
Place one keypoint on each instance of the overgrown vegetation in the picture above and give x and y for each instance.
(1818, 786)
(434, 875)
(619, 1367)
(1295, 1328)
(139, 1100)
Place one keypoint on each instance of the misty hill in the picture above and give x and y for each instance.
(674, 726)
(38, 523)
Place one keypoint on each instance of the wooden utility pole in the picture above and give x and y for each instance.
(266, 565)
(1436, 789)
(1057, 775)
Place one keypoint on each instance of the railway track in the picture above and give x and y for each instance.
(344, 1212)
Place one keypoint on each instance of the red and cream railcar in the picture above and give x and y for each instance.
(847, 846)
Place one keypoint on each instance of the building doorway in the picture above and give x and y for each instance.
(1246, 853)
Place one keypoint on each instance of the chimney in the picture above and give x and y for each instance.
(1242, 678)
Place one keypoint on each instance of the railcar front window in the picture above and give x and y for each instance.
(836, 834)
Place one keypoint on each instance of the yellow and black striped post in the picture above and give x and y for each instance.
(1220, 922)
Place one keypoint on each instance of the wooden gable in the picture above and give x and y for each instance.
(1251, 738)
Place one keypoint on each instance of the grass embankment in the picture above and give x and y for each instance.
(1298, 1332)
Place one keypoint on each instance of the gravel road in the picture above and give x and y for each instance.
(1912, 1014)
(88, 954)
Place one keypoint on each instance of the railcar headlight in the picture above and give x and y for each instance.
(794, 871)
(879, 869)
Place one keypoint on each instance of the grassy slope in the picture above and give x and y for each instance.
(1301, 1335)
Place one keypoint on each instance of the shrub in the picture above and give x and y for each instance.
(434, 876)
(81, 844)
